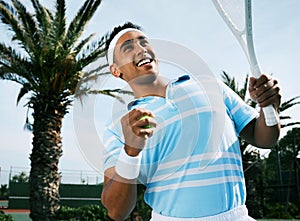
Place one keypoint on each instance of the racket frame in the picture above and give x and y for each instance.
(245, 39)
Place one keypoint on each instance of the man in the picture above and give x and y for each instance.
(167, 140)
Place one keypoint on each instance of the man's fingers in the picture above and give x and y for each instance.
(133, 123)
(144, 127)
(146, 122)
(252, 81)
(273, 99)
(137, 113)
(265, 90)
(263, 79)
(143, 132)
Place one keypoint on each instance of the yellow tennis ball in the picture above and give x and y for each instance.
(144, 117)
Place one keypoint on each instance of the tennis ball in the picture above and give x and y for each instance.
(144, 117)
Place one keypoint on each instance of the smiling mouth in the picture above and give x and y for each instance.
(144, 61)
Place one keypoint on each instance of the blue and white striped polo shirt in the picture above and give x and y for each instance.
(192, 165)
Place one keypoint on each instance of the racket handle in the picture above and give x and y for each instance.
(270, 116)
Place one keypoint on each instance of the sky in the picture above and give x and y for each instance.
(194, 25)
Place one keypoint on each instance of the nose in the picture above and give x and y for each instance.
(140, 48)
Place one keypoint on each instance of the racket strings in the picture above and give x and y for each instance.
(234, 10)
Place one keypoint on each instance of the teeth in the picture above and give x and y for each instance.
(144, 61)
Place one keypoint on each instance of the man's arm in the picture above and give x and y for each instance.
(118, 195)
(265, 91)
(119, 191)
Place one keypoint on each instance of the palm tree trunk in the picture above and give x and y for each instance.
(46, 152)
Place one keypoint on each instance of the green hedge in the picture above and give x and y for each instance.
(93, 213)
(282, 211)
(5, 217)
(85, 213)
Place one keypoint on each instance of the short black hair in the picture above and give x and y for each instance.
(116, 30)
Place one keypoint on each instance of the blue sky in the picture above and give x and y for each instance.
(192, 24)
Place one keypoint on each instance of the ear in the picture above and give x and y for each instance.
(115, 71)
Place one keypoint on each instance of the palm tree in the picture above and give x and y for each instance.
(49, 64)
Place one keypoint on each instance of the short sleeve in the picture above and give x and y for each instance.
(240, 112)
(113, 143)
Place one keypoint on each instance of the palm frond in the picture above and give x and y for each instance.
(95, 73)
(29, 25)
(233, 84)
(8, 7)
(13, 63)
(243, 91)
(113, 93)
(24, 90)
(59, 23)
(13, 77)
(80, 94)
(28, 125)
(84, 62)
(3, 70)
(290, 124)
(72, 33)
(9, 17)
(8, 52)
(19, 72)
(80, 46)
(285, 117)
(43, 17)
(93, 56)
(230, 82)
(119, 91)
(288, 104)
(79, 22)
(226, 78)
(94, 51)
(85, 78)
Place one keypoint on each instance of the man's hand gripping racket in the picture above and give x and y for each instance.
(238, 17)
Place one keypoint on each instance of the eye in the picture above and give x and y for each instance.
(144, 42)
(127, 48)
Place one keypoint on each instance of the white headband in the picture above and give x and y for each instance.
(112, 45)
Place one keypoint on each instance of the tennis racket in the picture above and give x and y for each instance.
(237, 14)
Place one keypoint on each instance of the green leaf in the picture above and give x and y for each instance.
(43, 17)
(29, 26)
(79, 22)
(24, 90)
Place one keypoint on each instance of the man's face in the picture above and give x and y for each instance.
(135, 58)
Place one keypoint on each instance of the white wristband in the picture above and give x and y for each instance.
(127, 166)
